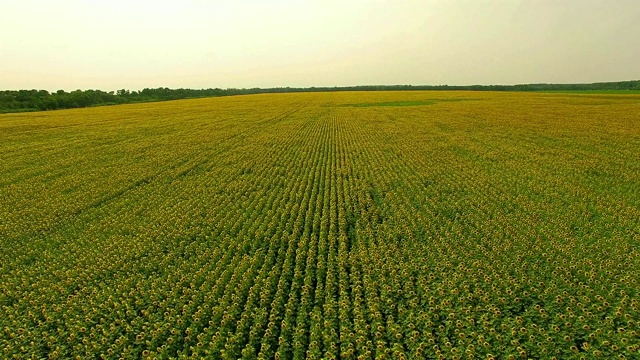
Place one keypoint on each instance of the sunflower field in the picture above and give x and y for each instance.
(346, 225)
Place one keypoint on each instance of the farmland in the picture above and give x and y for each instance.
(353, 225)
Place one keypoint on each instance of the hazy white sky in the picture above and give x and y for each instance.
(133, 44)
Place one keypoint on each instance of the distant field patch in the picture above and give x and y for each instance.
(406, 103)
(596, 92)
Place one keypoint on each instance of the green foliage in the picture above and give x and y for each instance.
(26, 100)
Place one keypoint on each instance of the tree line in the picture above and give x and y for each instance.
(40, 100)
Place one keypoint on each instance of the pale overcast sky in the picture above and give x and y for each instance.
(133, 44)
